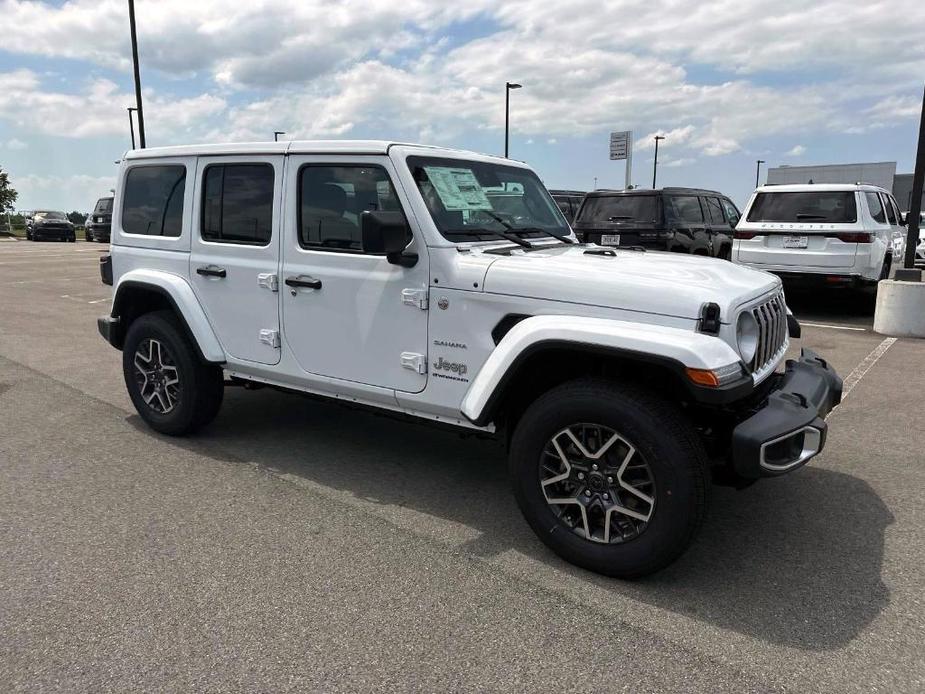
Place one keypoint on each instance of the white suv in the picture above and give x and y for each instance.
(843, 234)
(446, 287)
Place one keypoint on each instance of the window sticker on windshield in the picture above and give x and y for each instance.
(458, 188)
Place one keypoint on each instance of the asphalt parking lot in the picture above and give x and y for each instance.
(297, 545)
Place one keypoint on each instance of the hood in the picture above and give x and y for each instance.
(670, 284)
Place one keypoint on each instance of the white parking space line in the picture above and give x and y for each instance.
(834, 327)
(84, 300)
(861, 369)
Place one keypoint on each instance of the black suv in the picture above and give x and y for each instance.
(99, 223)
(568, 201)
(682, 220)
(49, 224)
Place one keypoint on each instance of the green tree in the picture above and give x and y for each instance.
(7, 194)
(76, 217)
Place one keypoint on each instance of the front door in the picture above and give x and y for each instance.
(348, 314)
(234, 258)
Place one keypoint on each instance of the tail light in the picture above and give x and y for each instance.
(745, 235)
(854, 237)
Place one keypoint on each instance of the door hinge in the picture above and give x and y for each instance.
(268, 280)
(414, 361)
(269, 337)
(414, 297)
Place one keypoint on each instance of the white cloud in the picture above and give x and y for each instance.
(64, 192)
(796, 151)
(14, 145)
(30, 106)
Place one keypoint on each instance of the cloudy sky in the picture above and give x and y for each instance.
(724, 80)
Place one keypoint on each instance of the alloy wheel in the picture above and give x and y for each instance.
(157, 376)
(597, 483)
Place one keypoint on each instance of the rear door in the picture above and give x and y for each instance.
(686, 218)
(234, 259)
(717, 226)
(812, 229)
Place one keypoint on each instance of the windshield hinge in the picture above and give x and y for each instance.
(415, 297)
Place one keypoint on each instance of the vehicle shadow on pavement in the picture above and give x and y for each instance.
(793, 561)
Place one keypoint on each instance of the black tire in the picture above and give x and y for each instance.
(725, 253)
(201, 385)
(885, 270)
(88, 235)
(666, 442)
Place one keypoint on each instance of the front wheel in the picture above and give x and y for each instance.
(173, 391)
(611, 478)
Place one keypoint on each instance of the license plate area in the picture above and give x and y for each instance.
(793, 241)
(610, 239)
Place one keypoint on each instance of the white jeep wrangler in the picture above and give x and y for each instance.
(447, 287)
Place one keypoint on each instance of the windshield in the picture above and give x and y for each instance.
(104, 205)
(618, 208)
(49, 215)
(808, 207)
(478, 200)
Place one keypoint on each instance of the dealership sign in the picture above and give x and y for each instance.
(621, 147)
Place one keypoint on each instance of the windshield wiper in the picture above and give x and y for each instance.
(802, 215)
(619, 216)
(513, 238)
(527, 230)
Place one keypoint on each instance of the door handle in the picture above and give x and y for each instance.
(211, 271)
(303, 281)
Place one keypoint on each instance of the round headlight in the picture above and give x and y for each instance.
(747, 336)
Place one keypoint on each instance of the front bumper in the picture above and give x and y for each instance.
(789, 429)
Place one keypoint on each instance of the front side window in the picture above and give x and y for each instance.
(619, 208)
(686, 208)
(810, 207)
(152, 203)
(876, 208)
(732, 213)
(714, 210)
(237, 203)
(470, 200)
(332, 200)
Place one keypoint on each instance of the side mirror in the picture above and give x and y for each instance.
(902, 220)
(387, 233)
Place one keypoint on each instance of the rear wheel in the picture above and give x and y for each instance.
(887, 266)
(173, 391)
(610, 478)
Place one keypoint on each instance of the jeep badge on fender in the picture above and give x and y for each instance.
(324, 267)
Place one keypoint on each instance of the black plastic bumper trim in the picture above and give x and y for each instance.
(808, 391)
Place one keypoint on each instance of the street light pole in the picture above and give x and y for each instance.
(141, 113)
(655, 164)
(277, 133)
(508, 86)
(758, 171)
(131, 125)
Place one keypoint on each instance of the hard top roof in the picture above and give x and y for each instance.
(302, 147)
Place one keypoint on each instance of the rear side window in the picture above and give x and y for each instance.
(732, 213)
(890, 212)
(714, 210)
(875, 207)
(332, 200)
(686, 208)
(618, 208)
(237, 203)
(810, 206)
(152, 203)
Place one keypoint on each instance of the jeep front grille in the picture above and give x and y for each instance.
(772, 332)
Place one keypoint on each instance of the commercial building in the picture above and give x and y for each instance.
(881, 174)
